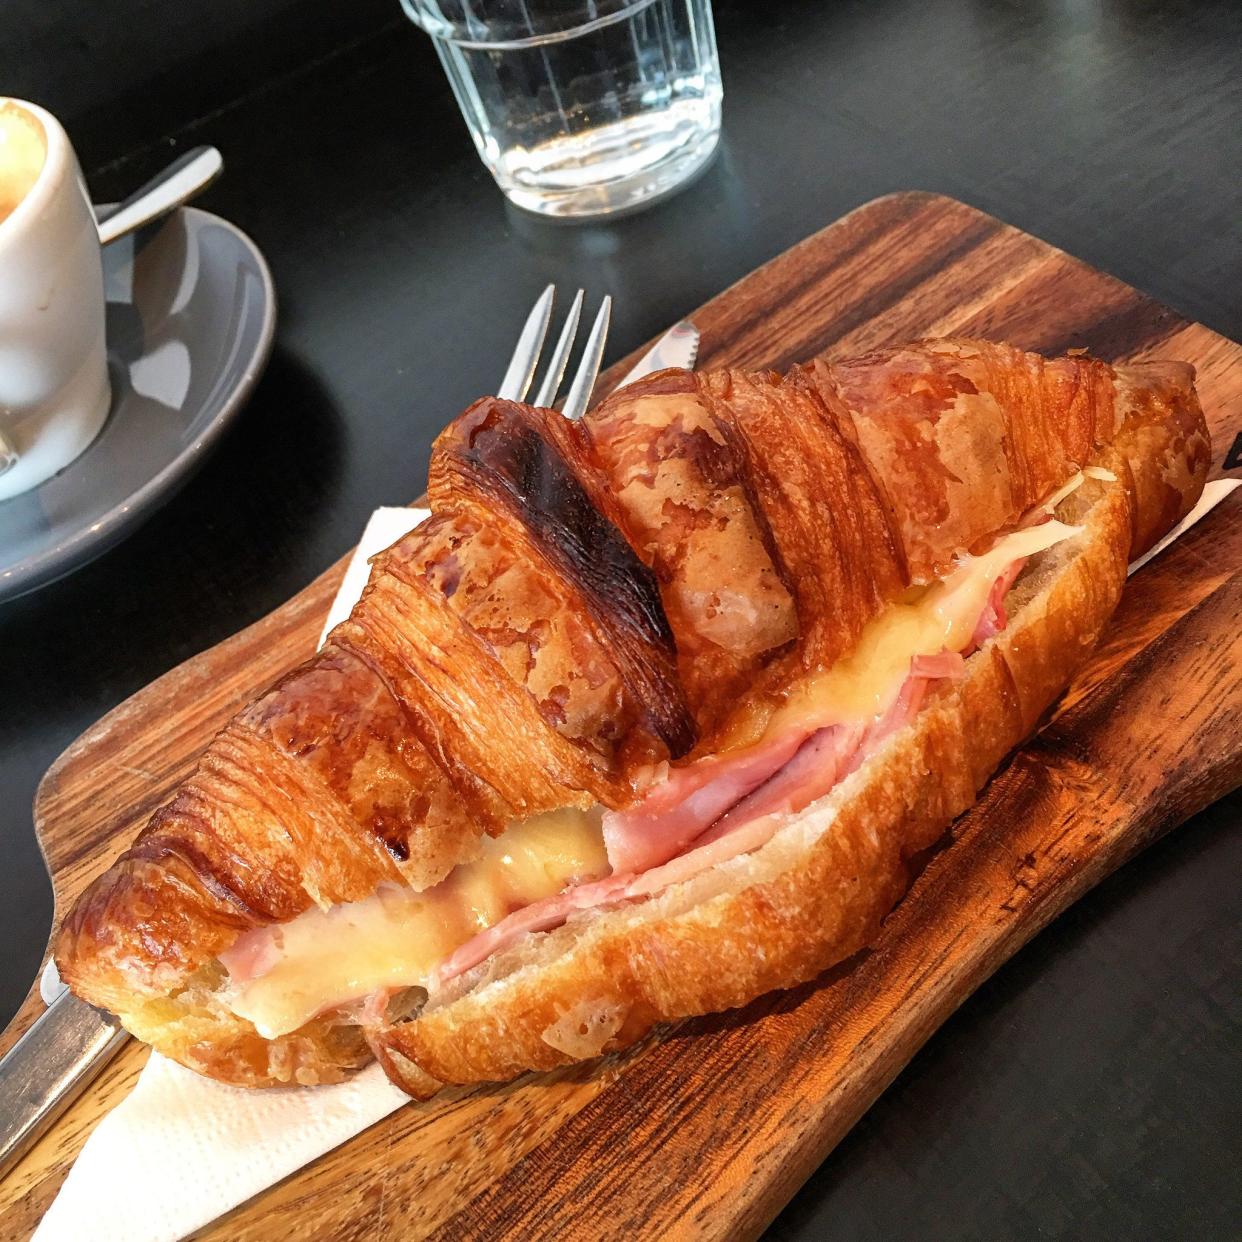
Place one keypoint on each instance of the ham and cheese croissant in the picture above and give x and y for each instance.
(646, 719)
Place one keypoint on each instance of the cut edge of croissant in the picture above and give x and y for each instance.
(813, 895)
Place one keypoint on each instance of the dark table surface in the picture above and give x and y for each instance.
(1090, 1089)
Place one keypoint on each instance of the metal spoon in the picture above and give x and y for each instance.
(185, 177)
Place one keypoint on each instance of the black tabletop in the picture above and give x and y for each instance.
(1090, 1089)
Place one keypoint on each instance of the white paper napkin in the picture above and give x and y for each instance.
(384, 528)
(181, 1150)
(1213, 494)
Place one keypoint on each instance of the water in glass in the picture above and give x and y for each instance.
(582, 109)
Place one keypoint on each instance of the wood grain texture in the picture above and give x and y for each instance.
(741, 1107)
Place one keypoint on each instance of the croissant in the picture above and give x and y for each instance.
(647, 718)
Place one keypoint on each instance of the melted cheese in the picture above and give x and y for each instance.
(1068, 488)
(930, 620)
(395, 938)
(1074, 482)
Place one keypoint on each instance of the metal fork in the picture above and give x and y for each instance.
(525, 360)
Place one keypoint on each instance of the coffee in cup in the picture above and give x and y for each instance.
(23, 152)
(54, 392)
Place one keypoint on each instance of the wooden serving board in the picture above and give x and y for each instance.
(570, 1154)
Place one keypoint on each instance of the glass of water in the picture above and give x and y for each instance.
(582, 108)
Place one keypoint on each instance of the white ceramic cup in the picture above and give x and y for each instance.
(54, 391)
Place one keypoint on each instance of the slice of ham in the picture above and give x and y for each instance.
(993, 618)
(254, 953)
(948, 665)
(553, 911)
(679, 809)
(819, 763)
(743, 838)
(540, 916)
(689, 801)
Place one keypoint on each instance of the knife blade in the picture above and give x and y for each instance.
(48, 1068)
(678, 347)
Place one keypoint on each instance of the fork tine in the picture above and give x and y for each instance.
(588, 369)
(526, 354)
(560, 356)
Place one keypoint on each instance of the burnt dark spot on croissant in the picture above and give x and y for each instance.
(394, 839)
(557, 509)
(511, 458)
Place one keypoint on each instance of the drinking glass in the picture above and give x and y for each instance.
(581, 109)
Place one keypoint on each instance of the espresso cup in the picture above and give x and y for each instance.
(54, 391)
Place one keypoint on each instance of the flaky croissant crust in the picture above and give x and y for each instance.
(585, 600)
